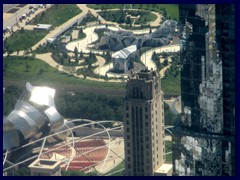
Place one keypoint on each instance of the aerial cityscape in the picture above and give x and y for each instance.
(119, 90)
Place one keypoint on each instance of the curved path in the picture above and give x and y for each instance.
(146, 57)
(82, 44)
(156, 22)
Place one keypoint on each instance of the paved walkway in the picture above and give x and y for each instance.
(176, 106)
(163, 70)
(113, 159)
(82, 44)
(146, 57)
(75, 34)
(101, 61)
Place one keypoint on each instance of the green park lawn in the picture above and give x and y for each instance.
(171, 84)
(23, 40)
(35, 70)
(172, 9)
(57, 14)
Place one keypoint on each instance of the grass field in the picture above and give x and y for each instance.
(57, 14)
(22, 40)
(172, 9)
(171, 84)
(18, 68)
(168, 148)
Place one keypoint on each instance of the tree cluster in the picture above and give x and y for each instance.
(169, 117)
(156, 60)
(81, 105)
(89, 106)
(175, 68)
(10, 97)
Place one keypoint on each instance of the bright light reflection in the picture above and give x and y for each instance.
(41, 95)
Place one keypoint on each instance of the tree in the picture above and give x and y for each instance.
(81, 55)
(81, 30)
(150, 30)
(164, 54)
(165, 62)
(24, 171)
(76, 55)
(108, 56)
(154, 56)
(33, 56)
(121, 17)
(169, 117)
(164, 13)
(40, 72)
(22, 30)
(5, 66)
(71, 38)
(129, 21)
(27, 67)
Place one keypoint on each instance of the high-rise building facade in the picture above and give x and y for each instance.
(205, 136)
(143, 124)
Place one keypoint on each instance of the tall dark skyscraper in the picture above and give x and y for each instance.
(204, 138)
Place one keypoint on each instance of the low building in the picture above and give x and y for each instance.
(42, 27)
(51, 40)
(164, 170)
(44, 167)
(123, 59)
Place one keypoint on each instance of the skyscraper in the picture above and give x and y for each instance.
(205, 136)
(143, 124)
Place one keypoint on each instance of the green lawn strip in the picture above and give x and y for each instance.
(22, 40)
(168, 148)
(118, 167)
(18, 68)
(57, 14)
(171, 84)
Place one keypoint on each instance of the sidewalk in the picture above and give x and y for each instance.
(116, 149)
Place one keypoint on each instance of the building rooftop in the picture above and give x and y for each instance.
(124, 53)
(43, 26)
(44, 164)
(165, 168)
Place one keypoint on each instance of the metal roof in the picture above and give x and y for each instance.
(124, 53)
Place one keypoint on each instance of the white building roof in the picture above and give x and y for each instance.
(43, 26)
(124, 53)
(165, 168)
